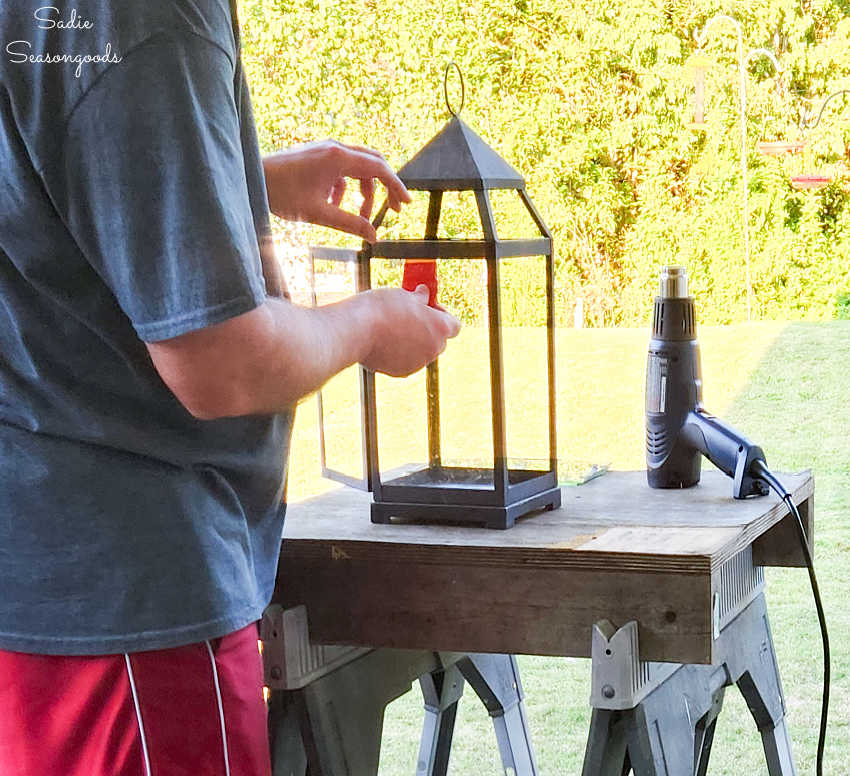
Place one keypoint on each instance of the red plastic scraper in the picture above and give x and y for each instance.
(419, 272)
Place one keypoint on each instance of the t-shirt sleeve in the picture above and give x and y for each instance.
(154, 187)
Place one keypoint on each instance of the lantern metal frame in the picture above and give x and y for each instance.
(450, 493)
(515, 492)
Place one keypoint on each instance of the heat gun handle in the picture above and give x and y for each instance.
(727, 449)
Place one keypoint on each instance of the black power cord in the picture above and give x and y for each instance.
(759, 469)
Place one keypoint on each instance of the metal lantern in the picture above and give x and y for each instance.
(503, 488)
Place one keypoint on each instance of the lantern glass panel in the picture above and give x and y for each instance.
(340, 400)
(402, 430)
(525, 363)
(459, 218)
(342, 418)
(513, 221)
(406, 223)
(460, 453)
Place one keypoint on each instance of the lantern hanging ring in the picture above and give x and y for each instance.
(826, 102)
(446, 88)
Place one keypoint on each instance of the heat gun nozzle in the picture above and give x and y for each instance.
(673, 283)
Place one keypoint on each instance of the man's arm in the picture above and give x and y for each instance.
(265, 360)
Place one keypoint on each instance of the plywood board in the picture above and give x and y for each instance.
(614, 550)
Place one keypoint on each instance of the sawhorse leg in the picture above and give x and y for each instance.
(495, 679)
(327, 704)
(340, 716)
(658, 719)
(750, 661)
(441, 691)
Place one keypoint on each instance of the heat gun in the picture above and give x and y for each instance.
(679, 431)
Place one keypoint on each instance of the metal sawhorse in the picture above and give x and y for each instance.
(658, 719)
(651, 719)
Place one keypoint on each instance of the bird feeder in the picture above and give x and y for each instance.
(782, 148)
(496, 488)
(699, 64)
(779, 147)
(802, 181)
(808, 181)
(816, 180)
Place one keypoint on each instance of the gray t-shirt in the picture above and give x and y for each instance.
(132, 208)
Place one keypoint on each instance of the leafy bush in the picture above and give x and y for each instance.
(589, 101)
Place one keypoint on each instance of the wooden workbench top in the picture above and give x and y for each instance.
(615, 549)
(615, 518)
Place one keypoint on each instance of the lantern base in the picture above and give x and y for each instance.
(465, 514)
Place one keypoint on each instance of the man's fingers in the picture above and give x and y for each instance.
(365, 150)
(337, 192)
(362, 165)
(396, 198)
(336, 218)
(367, 189)
(452, 325)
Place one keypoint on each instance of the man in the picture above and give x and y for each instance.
(147, 378)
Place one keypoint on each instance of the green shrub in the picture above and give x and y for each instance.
(589, 101)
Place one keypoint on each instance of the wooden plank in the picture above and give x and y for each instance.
(786, 544)
(541, 611)
(780, 545)
(504, 558)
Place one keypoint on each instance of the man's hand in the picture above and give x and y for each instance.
(267, 359)
(307, 183)
(408, 334)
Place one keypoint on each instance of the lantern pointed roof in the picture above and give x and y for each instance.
(457, 159)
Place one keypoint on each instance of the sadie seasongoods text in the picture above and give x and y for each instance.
(50, 17)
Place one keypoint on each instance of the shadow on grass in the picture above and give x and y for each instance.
(795, 406)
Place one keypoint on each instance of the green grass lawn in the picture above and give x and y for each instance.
(784, 385)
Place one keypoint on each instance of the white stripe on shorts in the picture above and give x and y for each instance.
(220, 709)
(138, 714)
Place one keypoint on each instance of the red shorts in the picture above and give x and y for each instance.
(196, 710)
